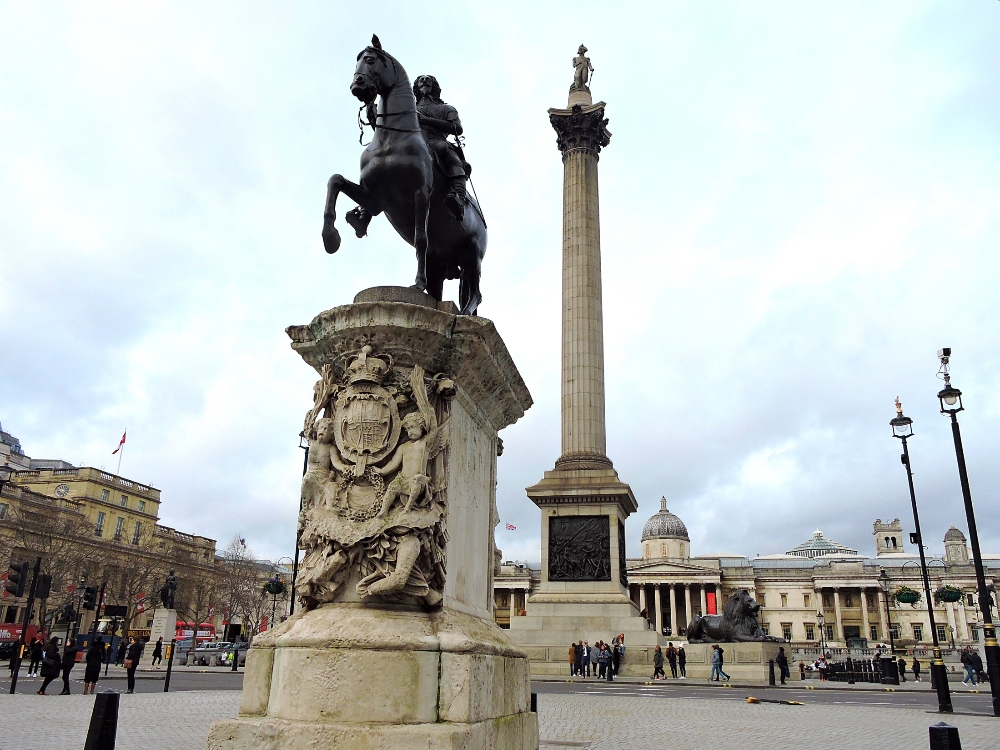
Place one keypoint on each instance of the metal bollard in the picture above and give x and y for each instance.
(944, 737)
(534, 703)
(170, 664)
(103, 723)
(770, 672)
(236, 659)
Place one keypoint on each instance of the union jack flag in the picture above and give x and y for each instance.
(511, 527)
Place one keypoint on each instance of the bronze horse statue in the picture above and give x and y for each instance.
(399, 177)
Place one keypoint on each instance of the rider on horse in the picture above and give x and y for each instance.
(438, 120)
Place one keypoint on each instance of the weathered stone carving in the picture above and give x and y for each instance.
(581, 129)
(739, 621)
(372, 503)
(579, 548)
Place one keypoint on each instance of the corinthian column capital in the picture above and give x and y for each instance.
(584, 127)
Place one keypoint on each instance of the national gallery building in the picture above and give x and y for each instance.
(819, 593)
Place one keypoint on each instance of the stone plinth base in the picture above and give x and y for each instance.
(744, 662)
(164, 626)
(546, 632)
(348, 676)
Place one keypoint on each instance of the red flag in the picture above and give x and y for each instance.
(121, 444)
(511, 527)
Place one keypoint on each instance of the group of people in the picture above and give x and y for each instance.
(46, 661)
(676, 658)
(973, 664)
(602, 660)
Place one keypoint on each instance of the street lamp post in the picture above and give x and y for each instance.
(304, 445)
(883, 580)
(902, 428)
(822, 632)
(951, 404)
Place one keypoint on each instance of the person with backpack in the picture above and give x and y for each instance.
(50, 663)
(672, 659)
(717, 660)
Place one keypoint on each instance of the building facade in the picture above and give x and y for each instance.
(819, 594)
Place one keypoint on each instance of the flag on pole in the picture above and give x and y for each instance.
(121, 444)
(511, 527)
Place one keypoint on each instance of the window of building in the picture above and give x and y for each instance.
(118, 529)
(3, 510)
(11, 616)
(142, 506)
(135, 532)
(970, 601)
(870, 601)
(829, 632)
(873, 632)
(805, 601)
(784, 600)
(894, 631)
(105, 494)
(942, 636)
(828, 601)
(810, 632)
(918, 632)
(99, 527)
(786, 631)
(975, 634)
(848, 600)
(766, 627)
(124, 502)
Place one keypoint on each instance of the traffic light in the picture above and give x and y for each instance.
(90, 597)
(44, 587)
(17, 578)
(68, 614)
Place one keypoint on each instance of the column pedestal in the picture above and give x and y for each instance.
(164, 626)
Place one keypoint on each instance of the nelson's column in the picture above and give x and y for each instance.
(583, 593)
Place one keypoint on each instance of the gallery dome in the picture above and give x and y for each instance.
(665, 525)
(954, 535)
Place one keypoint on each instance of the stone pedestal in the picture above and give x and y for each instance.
(164, 626)
(744, 662)
(424, 667)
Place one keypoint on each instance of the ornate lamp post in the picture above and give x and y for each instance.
(883, 581)
(822, 632)
(275, 587)
(902, 428)
(304, 445)
(951, 404)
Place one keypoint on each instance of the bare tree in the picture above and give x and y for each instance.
(198, 596)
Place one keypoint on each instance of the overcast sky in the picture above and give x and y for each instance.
(799, 206)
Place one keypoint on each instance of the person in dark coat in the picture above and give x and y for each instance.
(672, 659)
(120, 654)
(611, 661)
(916, 669)
(158, 652)
(682, 661)
(68, 662)
(901, 668)
(782, 661)
(578, 655)
(35, 651)
(132, 657)
(658, 663)
(572, 659)
(50, 663)
(95, 659)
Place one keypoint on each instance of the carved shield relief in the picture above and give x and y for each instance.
(367, 424)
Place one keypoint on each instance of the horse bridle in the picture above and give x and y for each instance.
(375, 125)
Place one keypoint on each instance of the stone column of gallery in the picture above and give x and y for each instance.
(583, 502)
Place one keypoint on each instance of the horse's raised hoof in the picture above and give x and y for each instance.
(331, 237)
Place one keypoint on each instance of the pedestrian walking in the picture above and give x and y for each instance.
(682, 660)
(977, 664)
(595, 654)
(131, 661)
(94, 659)
(916, 669)
(901, 668)
(610, 673)
(578, 653)
(50, 663)
(35, 651)
(68, 662)
(585, 661)
(158, 652)
(120, 653)
(658, 664)
(782, 661)
(572, 659)
(970, 672)
(717, 660)
(602, 659)
(672, 659)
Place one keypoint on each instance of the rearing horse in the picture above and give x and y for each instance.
(399, 177)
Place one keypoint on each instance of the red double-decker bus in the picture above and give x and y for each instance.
(185, 630)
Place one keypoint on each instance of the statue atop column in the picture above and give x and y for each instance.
(168, 591)
(581, 70)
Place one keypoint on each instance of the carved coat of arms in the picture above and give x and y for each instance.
(374, 494)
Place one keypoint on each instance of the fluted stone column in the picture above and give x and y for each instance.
(839, 625)
(659, 610)
(513, 609)
(704, 601)
(864, 614)
(883, 617)
(687, 604)
(673, 610)
(642, 599)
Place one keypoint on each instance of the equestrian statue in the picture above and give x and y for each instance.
(413, 173)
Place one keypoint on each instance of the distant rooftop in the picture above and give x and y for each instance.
(819, 545)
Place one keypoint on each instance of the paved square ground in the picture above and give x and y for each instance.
(158, 721)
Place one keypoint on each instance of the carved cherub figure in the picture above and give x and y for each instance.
(411, 458)
(323, 458)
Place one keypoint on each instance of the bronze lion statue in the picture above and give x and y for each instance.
(738, 622)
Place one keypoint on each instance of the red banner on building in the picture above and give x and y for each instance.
(710, 602)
